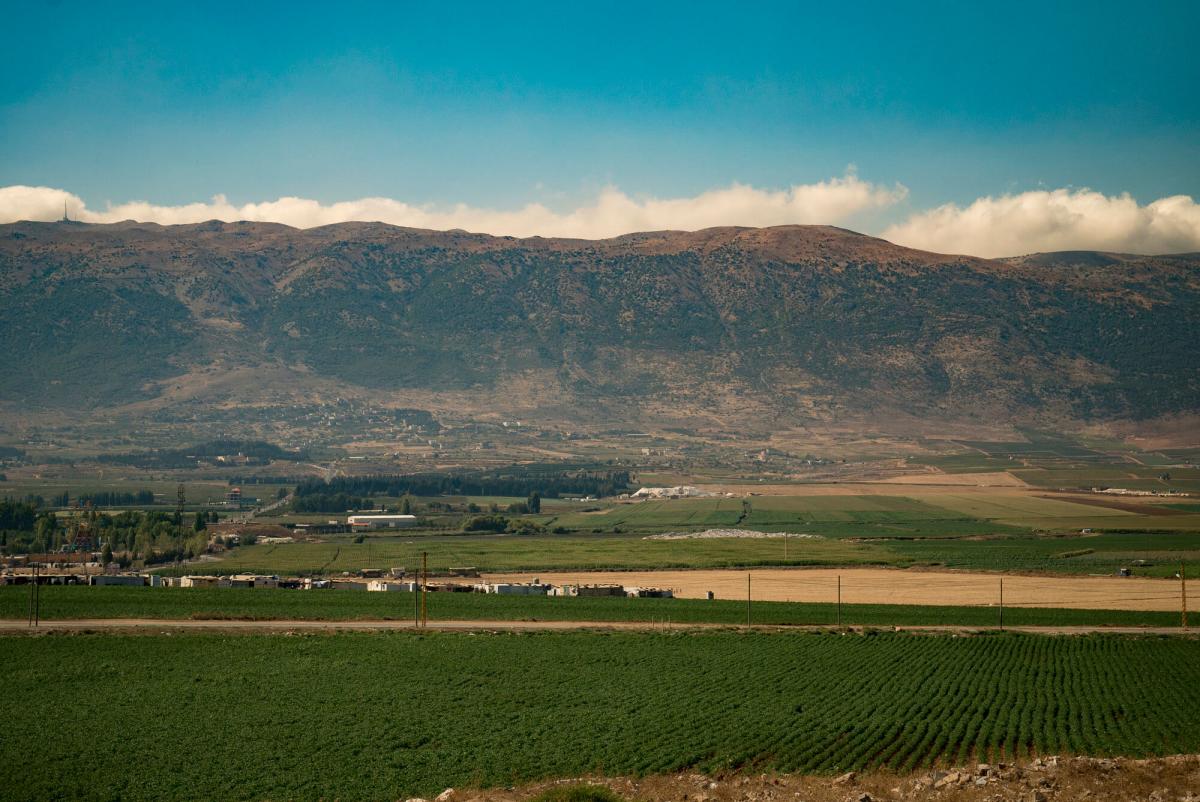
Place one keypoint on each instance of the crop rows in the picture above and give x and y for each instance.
(388, 715)
(78, 602)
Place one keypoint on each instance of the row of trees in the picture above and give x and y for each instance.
(547, 484)
(151, 536)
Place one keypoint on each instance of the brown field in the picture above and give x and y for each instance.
(993, 479)
(888, 586)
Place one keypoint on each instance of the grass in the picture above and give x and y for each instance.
(511, 553)
(391, 715)
(1133, 477)
(968, 463)
(74, 602)
(578, 793)
(1006, 550)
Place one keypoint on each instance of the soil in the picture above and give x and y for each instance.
(886, 586)
(1051, 779)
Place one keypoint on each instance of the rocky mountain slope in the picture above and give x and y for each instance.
(797, 321)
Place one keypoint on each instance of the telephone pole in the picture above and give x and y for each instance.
(1183, 595)
(35, 596)
(1001, 604)
(839, 603)
(747, 600)
(424, 587)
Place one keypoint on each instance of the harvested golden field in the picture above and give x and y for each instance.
(888, 586)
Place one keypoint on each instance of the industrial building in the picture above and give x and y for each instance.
(117, 579)
(381, 521)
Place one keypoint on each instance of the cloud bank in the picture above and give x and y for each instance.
(612, 212)
(1058, 220)
(1007, 225)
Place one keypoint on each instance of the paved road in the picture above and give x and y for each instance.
(142, 624)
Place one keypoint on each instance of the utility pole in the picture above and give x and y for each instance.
(785, 546)
(747, 600)
(424, 587)
(416, 597)
(35, 596)
(839, 603)
(1183, 595)
(180, 501)
(1001, 604)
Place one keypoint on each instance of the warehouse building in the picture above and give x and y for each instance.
(381, 521)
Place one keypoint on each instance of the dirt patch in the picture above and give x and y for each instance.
(1048, 779)
(887, 586)
(994, 479)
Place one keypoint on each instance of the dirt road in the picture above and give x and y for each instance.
(889, 586)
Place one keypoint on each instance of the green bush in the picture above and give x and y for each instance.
(578, 793)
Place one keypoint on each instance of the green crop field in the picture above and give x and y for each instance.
(828, 516)
(1133, 477)
(1010, 550)
(688, 513)
(944, 514)
(78, 602)
(391, 715)
(513, 553)
(968, 463)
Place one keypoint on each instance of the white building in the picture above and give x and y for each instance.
(514, 588)
(381, 521)
(382, 585)
(198, 582)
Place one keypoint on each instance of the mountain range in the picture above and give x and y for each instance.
(791, 322)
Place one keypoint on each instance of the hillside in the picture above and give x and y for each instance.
(793, 322)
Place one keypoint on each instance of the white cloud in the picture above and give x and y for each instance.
(612, 212)
(1058, 220)
(1008, 225)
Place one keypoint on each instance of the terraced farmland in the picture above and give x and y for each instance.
(393, 715)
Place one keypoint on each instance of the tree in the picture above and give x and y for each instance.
(406, 505)
(535, 502)
(199, 524)
(46, 528)
(106, 556)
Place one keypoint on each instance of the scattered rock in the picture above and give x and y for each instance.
(446, 796)
(951, 778)
(844, 779)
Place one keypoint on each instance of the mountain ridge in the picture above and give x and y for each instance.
(804, 321)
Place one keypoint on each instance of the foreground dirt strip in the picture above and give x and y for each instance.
(1052, 779)
(890, 586)
(15, 626)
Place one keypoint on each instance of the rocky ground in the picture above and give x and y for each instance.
(1048, 779)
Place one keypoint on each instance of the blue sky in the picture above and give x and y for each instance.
(500, 105)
